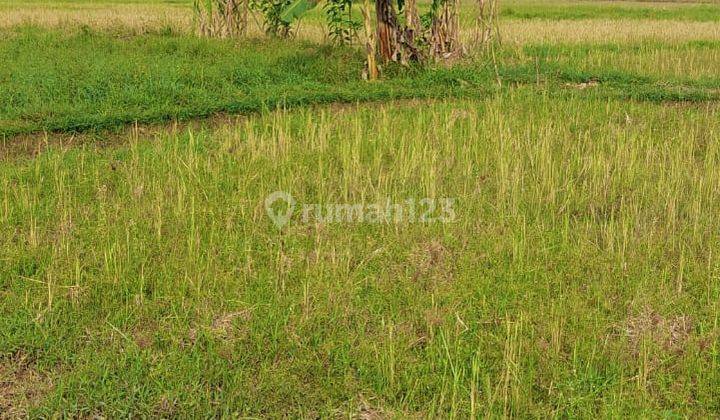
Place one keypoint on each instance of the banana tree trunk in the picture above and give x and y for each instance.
(387, 30)
(445, 37)
(412, 19)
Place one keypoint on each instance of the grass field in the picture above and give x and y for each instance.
(140, 275)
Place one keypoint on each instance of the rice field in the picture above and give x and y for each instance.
(532, 237)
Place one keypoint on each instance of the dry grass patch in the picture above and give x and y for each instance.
(368, 412)
(522, 32)
(21, 386)
(669, 333)
(431, 262)
(225, 324)
(138, 17)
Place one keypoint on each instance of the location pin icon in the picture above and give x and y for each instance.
(279, 217)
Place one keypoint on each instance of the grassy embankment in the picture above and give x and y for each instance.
(87, 80)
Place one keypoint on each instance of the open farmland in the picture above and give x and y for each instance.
(568, 266)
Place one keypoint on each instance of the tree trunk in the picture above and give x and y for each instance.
(412, 19)
(387, 30)
(445, 37)
(372, 69)
(222, 18)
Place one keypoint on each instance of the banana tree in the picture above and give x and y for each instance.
(297, 9)
(221, 18)
(391, 38)
(343, 27)
(438, 32)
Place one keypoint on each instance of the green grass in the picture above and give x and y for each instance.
(96, 80)
(591, 10)
(88, 80)
(579, 278)
(679, 63)
(141, 277)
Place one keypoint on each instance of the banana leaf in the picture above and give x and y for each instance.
(297, 9)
